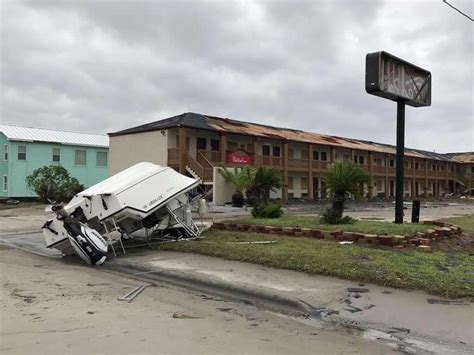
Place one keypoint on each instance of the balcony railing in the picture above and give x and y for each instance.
(377, 169)
(320, 165)
(268, 161)
(212, 156)
(298, 163)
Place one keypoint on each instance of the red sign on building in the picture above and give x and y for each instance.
(239, 156)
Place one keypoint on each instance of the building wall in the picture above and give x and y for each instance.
(221, 191)
(128, 150)
(4, 165)
(41, 154)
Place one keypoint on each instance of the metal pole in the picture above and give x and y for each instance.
(400, 163)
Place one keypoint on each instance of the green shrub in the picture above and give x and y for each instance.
(270, 210)
(53, 183)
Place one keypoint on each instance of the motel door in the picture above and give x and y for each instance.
(201, 144)
(392, 188)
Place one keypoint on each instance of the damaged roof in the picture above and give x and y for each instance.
(219, 124)
(467, 157)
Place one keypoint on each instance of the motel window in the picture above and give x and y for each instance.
(315, 155)
(80, 157)
(355, 159)
(324, 156)
(266, 150)
(22, 152)
(101, 159)
(417, 166)
(5, 152)
(56, 155)
(361, 160)
(215, 144)
(276, 151)
(5, 183)
(472, 169)
(392, 163)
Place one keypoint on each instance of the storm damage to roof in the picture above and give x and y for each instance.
(219, 124)
(466, 157)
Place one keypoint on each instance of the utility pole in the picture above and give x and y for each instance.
(400, 164)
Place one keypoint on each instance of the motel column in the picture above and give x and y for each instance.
(371, 175)
(413, 179)
(310, 173)
(182, 150)
(387, 188)
(284, 191)
(223, 147)
(426, 179)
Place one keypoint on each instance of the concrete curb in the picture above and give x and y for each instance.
(21, 233)
(238, 292)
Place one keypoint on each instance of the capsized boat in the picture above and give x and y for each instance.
(143, 199)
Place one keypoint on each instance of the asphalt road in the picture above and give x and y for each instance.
(61, 306)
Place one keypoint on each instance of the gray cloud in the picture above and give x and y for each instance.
(101, 66)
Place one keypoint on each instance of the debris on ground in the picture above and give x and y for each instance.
(129, 297)
(352, 309)
(179, 315)
(440, 301)
(358, 289)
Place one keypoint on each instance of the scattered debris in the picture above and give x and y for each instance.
(179, 315)
(387, 292)
(369, 306)
(344, 242)
(129, 297)
(361, 284)
(358, 290)
(356, 295)
(439, 301)
(353, 309)
(259, 242)
(398, 330)
(225, 309)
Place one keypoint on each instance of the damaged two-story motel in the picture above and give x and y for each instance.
(198, 145)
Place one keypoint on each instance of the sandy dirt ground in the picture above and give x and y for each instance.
(61, 306)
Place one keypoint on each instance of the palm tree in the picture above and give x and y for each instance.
(343, 178)
(263, 180)
(240, 179)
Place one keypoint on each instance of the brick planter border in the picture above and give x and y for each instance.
(420, 240)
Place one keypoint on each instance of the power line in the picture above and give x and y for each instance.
(462, 13)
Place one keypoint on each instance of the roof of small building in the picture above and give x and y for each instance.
(199, 121)
(31, 134)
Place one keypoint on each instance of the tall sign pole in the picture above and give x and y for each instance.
(400, 165)
(395, 79)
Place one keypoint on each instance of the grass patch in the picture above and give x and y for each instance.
(359, 226)
(403, 269)
(466, 222)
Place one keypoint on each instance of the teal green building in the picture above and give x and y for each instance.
(25, 149)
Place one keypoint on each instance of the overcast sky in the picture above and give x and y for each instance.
(102, 66)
